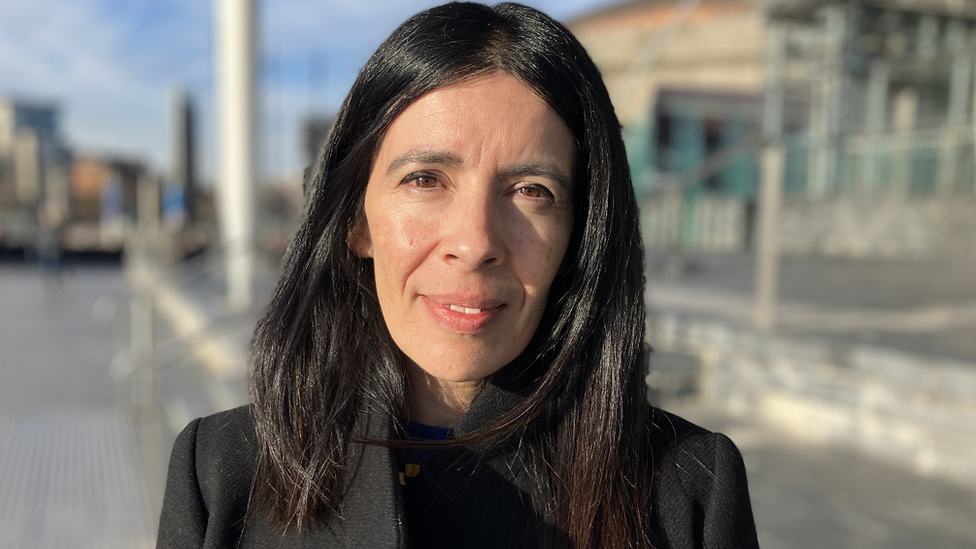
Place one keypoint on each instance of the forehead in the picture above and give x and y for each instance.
(494, 113)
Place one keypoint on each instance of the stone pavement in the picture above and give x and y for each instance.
(812, 496)
(925, 307)
(71, 472)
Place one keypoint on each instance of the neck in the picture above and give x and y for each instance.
(437, 402)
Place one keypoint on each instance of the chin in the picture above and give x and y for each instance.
(458, 368)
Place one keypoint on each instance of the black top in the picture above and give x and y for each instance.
(700, 495)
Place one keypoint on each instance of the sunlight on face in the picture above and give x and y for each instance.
(469, 214)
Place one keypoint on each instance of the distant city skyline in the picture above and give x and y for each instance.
(110, 66)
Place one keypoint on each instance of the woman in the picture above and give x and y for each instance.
(453, 357)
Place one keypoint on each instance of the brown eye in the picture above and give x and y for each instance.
(534, 191)
(421, 180)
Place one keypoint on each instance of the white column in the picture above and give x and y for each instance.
(875, 122)
(877, 97)
(971, 120)
(236, 144)
(825, 115)
(905, 112)
(959, 85)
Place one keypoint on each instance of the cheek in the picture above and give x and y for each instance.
(400, 244)
(542, 246)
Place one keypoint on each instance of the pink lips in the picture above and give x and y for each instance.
(462, 315)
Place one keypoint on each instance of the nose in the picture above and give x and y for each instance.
(474, 232)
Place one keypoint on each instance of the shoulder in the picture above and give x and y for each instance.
(225, 438)
(211, 432)
(224, 453)
(699, 453)
(700, 486)
(211, 473)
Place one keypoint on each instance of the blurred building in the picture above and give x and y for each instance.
(33, 169)
(90, 202)
(678, 62)
(878, 119)
(103, 202)
(181, 191)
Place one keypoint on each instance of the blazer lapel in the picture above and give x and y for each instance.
(372, 508)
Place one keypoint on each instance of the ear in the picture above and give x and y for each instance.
(358, 239)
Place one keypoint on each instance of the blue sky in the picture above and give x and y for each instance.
(111, 65)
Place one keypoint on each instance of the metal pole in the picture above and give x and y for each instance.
(147, 407)
(767, 250)
(236, 144)
(771, 183)
(142, 342)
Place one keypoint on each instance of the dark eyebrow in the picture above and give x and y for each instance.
(539, 169)
(451, 160)
(442, 158)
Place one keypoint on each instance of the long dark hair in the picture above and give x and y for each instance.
(323, 355)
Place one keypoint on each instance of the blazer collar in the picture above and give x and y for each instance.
(372, 507)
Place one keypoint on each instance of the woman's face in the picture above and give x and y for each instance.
(469, 214)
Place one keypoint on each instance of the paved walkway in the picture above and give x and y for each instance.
(71, 473)
(923, 307)
(815, 496)
(809, 496)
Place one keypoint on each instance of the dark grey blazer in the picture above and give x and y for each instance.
(700, 496)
